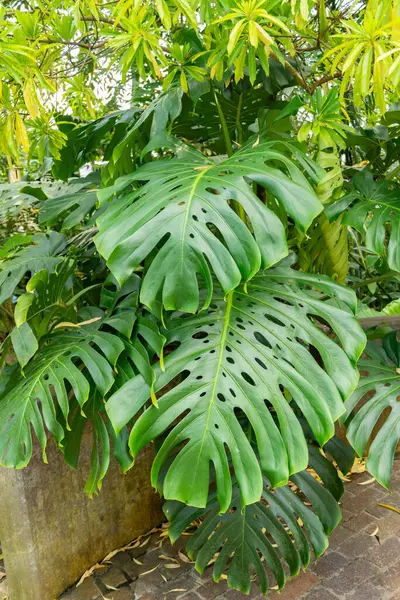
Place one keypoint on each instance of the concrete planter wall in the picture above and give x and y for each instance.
(51, 532)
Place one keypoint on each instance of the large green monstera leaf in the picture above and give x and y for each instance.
(254, 352)
(71, 362)
(43, 252)
(374, 208)
(201, 121)
(280, 527)
(185, 211)
(378, 398)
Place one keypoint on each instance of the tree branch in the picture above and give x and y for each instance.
(323, 80)
(80, 44)
(296, 75)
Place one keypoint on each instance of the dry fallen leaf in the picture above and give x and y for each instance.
(146, 541)
(89, 572)
(176, 590)
(390, 507)
(137, 562)
(172, 566)
(183, 557)
(375, 531)
(149, 571)
(358, 466)
(367, 482)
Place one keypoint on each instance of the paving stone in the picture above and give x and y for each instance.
(125, 563)
(236, 595)
(346, 515)
(351, 576)
(388, 525)
(113, 578)
(184, 583)
(295, 588)
(329, 565)
(387, 553)
(360, 522)
(354, 485)
(124, 593)
(88, 590)
(320, 593)
(359, 545)
(338, 537)
(211, 590)
(367, 591)
(169, 549)
(367, 498)
(390, 579)
(393, 499)
(148, 584)
(378, 511)
(347, 497)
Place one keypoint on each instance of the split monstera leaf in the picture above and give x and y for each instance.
(261, 353)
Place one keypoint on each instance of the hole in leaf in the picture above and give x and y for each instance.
(247, 378)
(200, 335)
(283, 301)
(274, 320)
(260, 362)
(261, 339)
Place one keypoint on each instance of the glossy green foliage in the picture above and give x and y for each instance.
(376, 403)
(326, 249)
(141, 339)
(373, 208)
(257, 540)
(183, 210)
(252, 352)
(201, 122)
(94, 423)
(39, 400)
(73, 206)
(43, 252)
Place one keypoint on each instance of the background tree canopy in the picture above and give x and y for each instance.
(199, 201)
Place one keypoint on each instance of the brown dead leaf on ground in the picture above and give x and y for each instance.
(90, 572)
(390, 507)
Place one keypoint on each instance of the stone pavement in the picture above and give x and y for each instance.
(362, 563)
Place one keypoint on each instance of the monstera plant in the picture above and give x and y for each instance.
(203, 216)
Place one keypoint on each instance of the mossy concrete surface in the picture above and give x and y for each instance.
(51, 531)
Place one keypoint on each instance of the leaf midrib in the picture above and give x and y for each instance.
(229, 303)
